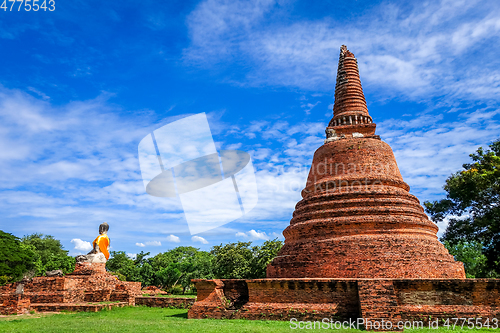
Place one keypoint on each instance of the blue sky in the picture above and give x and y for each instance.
(82, 85)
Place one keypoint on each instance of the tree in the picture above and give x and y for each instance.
(472, 205)
(262, 256)
(167, 277)
(146, 273)
(239, 261)
(120, 262)
(17, 259)
(141, 258)
(49, 254)
(178, 266)
(471, 254)
(232, 261)
(198, 266)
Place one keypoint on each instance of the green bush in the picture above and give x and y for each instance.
(177, 290)
(49, 254)
(4, 279)
(119, 275)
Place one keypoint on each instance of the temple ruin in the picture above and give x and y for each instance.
(357, 218)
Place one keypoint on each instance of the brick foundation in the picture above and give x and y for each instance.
(14, 304)
(343, 299)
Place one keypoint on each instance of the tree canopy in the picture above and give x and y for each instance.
(49, 254)
(17, 259)
(472, 206)
(176, 268)
(239, 261)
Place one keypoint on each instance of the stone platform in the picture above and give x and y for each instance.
(88, 288)
(392, 300)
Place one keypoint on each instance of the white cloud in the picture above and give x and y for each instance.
(39, 93)
(153, 243)
(81, 245)
(213, 18)
(132, 255)
(253, 235)
(429, 151)
(309, 106)
(257, 235)
(278, 235)
(199, 239)
(140, 244)
(418, 52)
(174, 239)
(84, 154)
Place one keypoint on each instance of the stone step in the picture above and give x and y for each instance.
(55, 296)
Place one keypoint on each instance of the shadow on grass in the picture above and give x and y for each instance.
(178, 315)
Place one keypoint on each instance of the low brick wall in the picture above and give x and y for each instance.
(392, 300)
(90, 283)
(165, 302)
(14, 304)
(443, 299)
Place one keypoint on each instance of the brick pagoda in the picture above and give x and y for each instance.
(359, 246)
(357, 218)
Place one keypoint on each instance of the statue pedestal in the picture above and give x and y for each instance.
(89, 268)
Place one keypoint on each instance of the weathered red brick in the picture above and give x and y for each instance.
(357, 218)
(89, 283)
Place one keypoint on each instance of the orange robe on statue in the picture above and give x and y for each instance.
(103, 242)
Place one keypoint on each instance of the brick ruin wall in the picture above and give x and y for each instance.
(341, 299)
(70, 292)
(89, 288)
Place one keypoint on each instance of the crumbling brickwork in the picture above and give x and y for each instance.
(14, 304)
(342, 299)
(90, 283)
(277, 299)
(153, 290)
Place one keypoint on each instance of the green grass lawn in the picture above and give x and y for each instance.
(135, 319)
(143, 319)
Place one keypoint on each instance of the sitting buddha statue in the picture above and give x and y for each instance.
(100, 251)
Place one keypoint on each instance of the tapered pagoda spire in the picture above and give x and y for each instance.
(350, 104)
(357, 218)
(350, 113)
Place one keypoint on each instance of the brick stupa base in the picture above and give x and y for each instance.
(392, 300)
(83, 290)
